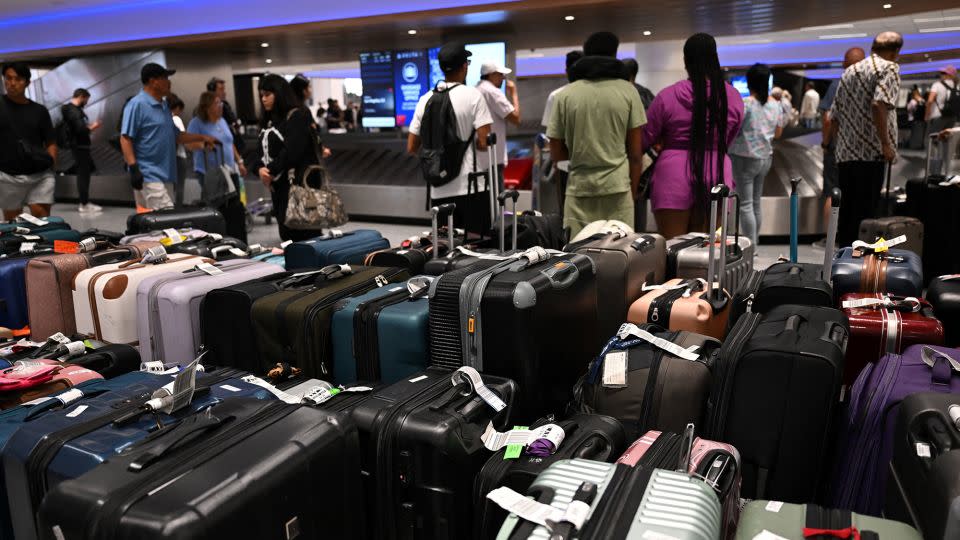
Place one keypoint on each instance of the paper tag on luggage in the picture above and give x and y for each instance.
(280, 394)
(494, 440)
(33, 220)
(615, 369)
(238, 252)
(27, 246)
(525, 507)
(174, 235)
(923, 450)
(286, 243)
(880, 245)
(208, 269)
(630, 329)
(472, 377)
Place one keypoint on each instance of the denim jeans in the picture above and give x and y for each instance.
(749, 174)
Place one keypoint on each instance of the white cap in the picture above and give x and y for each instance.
(490, 66)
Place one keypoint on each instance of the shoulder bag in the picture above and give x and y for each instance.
(313, 208)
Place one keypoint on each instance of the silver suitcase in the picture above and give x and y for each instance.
(688, 256)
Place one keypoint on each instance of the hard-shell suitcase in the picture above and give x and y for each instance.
(505, 317)
(105, 298)
(873, 229)
(936, 206)
(924, 486)
(49, 279)
(944, 295)
(205, 219)
(27, 380)
(413, 253)
(778, 383)
(293, 326)
(625, 263)
(167, 236)
(882, 324)
(217, 247)
(382, 335)
(894, 271)
(168, 307)
(688, 255)
(640, 380)
(13, 291)
(337, 247)
(252, 469)
(587, 436)
(859, 480)
(776, 519)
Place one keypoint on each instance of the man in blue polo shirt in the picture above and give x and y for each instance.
(149, 139)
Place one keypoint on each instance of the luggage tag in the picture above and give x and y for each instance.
(285, 243)
(173, 236)
(280, 394)
(237, 252)
(154, 255)
(208, 269)
(32, 220)
(554, 519)
(615, 369)
(880, 245)
(177, 394)
(66, 246)
(472, 377)
(886, 302)
(767, 535)
(27, 247)
(519, 437)
(29, 237)
(85, 245)
(630, 329)
(322, 394)
(951, 181)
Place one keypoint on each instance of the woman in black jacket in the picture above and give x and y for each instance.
(287, 147)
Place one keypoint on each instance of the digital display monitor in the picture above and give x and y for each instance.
(740, 83)
(411, 73)
(481, 53)
(379, 104)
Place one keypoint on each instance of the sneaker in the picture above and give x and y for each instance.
(89, 208)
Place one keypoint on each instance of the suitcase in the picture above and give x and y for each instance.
(105, 297)
(413, 253)
(272, 258)
(872, 229)
(337, 247)
(382, 335)
(24, 223)
(12, 238)
(775, 519)
(935, 206)
(778, 378)
(49, 279)
(27, 380)
(657, 390)
(168, 307)
(924, 486)
(167, 237)
(468, 253)
(895, 271)
(13, 291)
(868, 425)
(631, 503)
(110, 360)
(587, 436)
(293, 326)
(882, 324)
(530, 318)
(248, 453)
(625, 263)
(205, 219)
(944, 295)
(214, 246)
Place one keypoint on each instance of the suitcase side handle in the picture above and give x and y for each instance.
(173, 436)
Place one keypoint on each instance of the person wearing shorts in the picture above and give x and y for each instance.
(27, 147)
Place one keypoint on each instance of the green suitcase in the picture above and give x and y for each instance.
(771, 520)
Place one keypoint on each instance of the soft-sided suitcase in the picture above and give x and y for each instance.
(221, 248)
(586, 436)
(936, 206)
(110, 360)
(336, 247)
(27, 380)
(882, 324)
(105, 297)
(873, 229)
(293, 326)
(639, 379)
(205, 219)
(944, 295)
(778, 378)
(382, 335)
(242, 469)
(924, 487)
(859, 480)
(530, 318)
(49, 279)
(625, 263)
(25, 223)
(776, 519)
(168, 307)
(894, 271)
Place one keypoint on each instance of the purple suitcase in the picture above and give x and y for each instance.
(867, 432)
(174, 299)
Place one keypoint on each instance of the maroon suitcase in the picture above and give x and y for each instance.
(883, 323)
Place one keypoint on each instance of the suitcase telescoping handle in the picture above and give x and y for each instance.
(492, 172)
(794, 218)
(718, 194)
(832, 224)
(513, 195)
(435, 214)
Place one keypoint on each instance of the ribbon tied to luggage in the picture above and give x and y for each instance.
(630, 329)
(909, 303)
(471, 377)
(879, 246)
(848, 532)
(553, 434)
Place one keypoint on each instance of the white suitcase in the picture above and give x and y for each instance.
(105, 298)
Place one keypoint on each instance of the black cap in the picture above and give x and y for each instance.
(452, 56)
(154, 71)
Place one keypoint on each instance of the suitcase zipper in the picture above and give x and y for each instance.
(752, 287)
(365, 338)
(665, 301)
(729, 356)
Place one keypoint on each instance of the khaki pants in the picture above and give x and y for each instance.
(154, 196)
(578, 211)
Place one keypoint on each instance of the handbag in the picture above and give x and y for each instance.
(217, 184)
(313, 208)
(647, 175)
(32, 159)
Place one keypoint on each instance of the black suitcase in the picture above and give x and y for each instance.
(944, 295)
(778, 378)
(205, 219)
(466, 254)
(587, 436)
(214, 246)
(414, 253)
(872, 229)
(924, 485)
(241, 469)
(936, 206)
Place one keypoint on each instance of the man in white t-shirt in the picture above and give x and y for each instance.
(503, 108)
(809, 106)
(468, 191)
(572, 58)
(937, 100)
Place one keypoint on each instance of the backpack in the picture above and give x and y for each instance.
(441, 152)
(951, 105)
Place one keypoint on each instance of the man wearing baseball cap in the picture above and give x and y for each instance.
(503, 109)
(149, 139)
(942, 108)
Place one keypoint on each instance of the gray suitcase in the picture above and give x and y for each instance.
(688, 257)
(872, 229)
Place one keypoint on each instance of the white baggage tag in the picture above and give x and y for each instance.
(208, 269)
(767, 535)
(33, 220)
(286, 243)
(153, 367)
(417, 379)
(238, 252)
(255, 247)
(31, 237)
(27, 246)
(216, 237)
(322, 394)
(472, 377)
(880, 245)
(77, 412)
(176, 395)
(174, 236)
(656, 535)
(773, 506)
(59, 337)
(615, 369)
(630, 329)
(75, 348)
(494, 440)
(524, 507)
(923, 450)
(69, 396)
(281, 395)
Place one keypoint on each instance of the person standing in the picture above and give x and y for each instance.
(176, 109)
(149, 139)
(943, 104)
(751, 153)
(693, 121)
(78, 128)
(219, 87)
(503, 108)
(572, 58)
(633, 69)
(29, 149)
(562, 168)
(864, 123)
(809, 106)
(473, 212)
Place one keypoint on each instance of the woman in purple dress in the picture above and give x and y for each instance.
(692, 126)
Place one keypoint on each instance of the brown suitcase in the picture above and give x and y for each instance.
(49, 280)
(694, 305)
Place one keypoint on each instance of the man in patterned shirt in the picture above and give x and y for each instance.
(864, 124)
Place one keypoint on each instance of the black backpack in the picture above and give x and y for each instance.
(951, 105)
(441, 151)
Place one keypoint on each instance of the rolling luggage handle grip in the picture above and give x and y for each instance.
(832, 224)
(718, 194)
(513, 195)
(334, 271)
(435, 213)
(794, 218)
(175, 435)
(492, 171)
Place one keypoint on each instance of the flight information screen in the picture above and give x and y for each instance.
(411, 74)
(379, 104)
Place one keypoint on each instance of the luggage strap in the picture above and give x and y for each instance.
(494, 440)
(691, 286)
(824, 523)
(942, 364)
(630, 329)
(909, 304)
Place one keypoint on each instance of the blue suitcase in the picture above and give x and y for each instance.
(23, 224)
(13, 293)
(897, 271)
(269, 257)
(381, 335)
(334, 248)
(64, 444)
